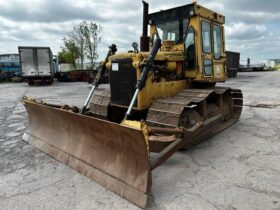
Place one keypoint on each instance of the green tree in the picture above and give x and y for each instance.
(92, 33)
(70, 52)
(82, 42)
(78, 37)
(65, 57)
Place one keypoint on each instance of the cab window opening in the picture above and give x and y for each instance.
(217, 41)
(173, 30)
(208, 67)
(190, 49)
(206, 36)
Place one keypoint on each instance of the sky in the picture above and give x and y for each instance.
(252, 26)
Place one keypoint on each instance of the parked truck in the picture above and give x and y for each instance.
(250, 65)
(37, 65)
(232, 63)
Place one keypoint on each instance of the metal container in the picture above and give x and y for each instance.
(37, 64)
(232, 63)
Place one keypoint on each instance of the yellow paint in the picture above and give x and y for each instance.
(138, 125)
(191, 74)
(171, 66)
(154, 91)
(208, 14)
(172, 56)
(218, 64)
(132, 124)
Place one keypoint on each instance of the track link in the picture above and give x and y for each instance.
(216, 108)
(168, 112)
(221, 106)
(206, 102)
(100, 102)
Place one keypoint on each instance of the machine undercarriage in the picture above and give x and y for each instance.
(183, 111)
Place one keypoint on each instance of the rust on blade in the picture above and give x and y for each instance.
(114, 156)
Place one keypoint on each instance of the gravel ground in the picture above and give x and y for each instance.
(236, 169)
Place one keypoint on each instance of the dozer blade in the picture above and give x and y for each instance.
(115, 156)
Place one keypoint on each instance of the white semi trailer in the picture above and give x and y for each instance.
(37, 64)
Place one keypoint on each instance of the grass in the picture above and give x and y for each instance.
(275, 68)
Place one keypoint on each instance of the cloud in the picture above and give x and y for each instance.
(249, 23)
(271, 6)
(45, 11)
(242, 31)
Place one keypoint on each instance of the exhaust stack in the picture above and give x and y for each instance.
(144, 40)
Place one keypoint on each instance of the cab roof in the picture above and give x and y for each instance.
(183, 12)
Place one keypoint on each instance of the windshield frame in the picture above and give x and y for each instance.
(182, 31)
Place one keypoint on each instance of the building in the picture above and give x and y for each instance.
(10, 63)
(9, 58)
(9, 66)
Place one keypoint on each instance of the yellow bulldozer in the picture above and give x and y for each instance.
(160, 99)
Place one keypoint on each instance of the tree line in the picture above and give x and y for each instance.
(81, 44)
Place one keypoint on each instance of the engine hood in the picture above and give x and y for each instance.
(161, 56)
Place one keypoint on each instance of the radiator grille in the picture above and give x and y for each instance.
(122, 81)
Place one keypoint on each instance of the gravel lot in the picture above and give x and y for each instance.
(236, 169)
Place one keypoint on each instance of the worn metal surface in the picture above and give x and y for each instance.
(112, 155)
(176, 145)
(100, 102)
(167, 112)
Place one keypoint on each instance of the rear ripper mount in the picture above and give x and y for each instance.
(83, 142)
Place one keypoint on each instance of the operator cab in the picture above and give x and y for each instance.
(196, 31)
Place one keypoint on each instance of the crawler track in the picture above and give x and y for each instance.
(206, 102)
(218, 108)
(100, 102)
